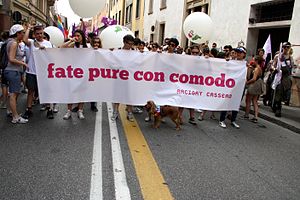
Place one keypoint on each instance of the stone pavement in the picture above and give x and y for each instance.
(290, 116)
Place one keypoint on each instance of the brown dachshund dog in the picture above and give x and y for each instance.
(165, 111)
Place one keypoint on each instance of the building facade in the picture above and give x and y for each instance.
(21, 11)
(129, 13)
(247, 22)
(251, 21)
(163, 18)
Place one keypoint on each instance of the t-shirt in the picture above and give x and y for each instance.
(31, 64)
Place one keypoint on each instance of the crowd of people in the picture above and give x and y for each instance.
(19, 69)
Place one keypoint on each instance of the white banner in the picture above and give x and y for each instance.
(131, 77)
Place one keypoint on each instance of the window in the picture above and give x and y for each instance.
(136, 34)
(163, 4)
(161, 33)
(150, 11)
(119, 20)
(137, 8)
(128, 13)
(40, 5)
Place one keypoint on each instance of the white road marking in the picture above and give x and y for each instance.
(121, 187)
(96, 179)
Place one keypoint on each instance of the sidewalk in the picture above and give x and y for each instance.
(290, 116)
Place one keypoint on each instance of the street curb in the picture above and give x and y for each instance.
(275, 121)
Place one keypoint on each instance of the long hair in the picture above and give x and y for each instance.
(83, 42)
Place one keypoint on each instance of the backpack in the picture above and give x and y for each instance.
(3, 56)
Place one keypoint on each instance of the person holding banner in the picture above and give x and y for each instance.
(195, 51)
(128, 41)
(79, 41)
(31, 80)
(240, 55)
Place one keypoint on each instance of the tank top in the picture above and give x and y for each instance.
(19, 56)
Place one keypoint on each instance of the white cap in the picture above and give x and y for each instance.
(15, 28)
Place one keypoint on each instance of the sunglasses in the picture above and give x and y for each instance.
(194, 52)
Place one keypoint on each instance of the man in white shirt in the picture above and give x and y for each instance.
(31, 82)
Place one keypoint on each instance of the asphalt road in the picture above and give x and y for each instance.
(53, 159)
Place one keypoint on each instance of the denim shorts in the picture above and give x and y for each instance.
(14, 81)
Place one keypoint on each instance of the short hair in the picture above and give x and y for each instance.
(5, 35)
(221, 55)
(214, 52)
(195, 46)
(137, 41)
(155, 44)
(228, 47)
(142, 43)
(205, 50)
(174, 40)
(127, 38)
(38, 28)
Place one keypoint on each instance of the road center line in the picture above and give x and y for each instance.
(152, 183)
(96, 178)
(121, 187)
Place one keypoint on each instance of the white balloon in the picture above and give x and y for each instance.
(197, 27)
(56, 36)
(87, 9)
(112, 36)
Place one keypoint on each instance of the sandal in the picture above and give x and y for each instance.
(246, 116)
(254, 120)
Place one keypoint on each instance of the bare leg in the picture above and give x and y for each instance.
(255, 104)
(13, 105)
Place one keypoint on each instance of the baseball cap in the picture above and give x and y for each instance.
(15, 28)
(286, 44)
(240, 50)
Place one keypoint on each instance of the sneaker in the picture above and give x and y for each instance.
(222, 124)
(67, 115)
(192, 121)
(19, 120)
(115, 116)
(55, 108)
(28, 113)
(94, 108)
(50, 114)
(75, 109)
(137, 110)
(43, 107)
(80, 114)
(277, 113)
(200, 118)
(147, 119)
(234, 124)
(130, 117)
